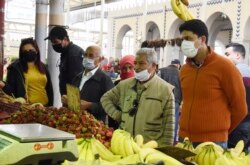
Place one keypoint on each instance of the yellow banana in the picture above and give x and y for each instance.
(145, 152)
(239, 147)
(150, 144)
(104, 153)
(157, 156)
(128, 146)
(179, 145)
(131, 159)
(222, 160)
(189, 16)
(115, 141)
(139, 140)
(216, 147)
(199, 158)
(90, 155)
(79, 141)
(175, 6)
(206, 159)
(135, 146)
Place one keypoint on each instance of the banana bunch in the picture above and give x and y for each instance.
(234, 156)
(186, 144)
(207, 154)
(180, 9)
(229, 159)
(99, 149)
(123, 144)
(152, 156)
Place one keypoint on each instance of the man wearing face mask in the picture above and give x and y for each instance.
(143, 104)
(93, 83)
(213, 92)
(71, 56)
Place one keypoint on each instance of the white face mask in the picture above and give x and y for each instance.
(188, 48)
(142, 75)
(88, 63)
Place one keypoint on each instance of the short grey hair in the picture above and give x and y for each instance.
(150, 54)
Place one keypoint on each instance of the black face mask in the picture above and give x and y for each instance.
(58, 48)
(29, 56)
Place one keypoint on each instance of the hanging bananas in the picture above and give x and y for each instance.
(180, 9)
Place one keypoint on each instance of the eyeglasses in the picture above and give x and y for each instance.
(30, 39)
(133, 110)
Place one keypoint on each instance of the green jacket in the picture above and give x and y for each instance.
(154, 119)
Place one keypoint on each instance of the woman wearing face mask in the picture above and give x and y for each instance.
(126, 67)
(28, 77)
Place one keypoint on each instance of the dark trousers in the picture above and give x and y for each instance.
(242, 132)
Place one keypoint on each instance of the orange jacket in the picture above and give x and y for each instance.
(213, 99)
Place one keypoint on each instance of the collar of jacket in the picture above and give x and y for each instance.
(146, 84)
(97, 76)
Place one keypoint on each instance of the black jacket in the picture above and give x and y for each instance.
(15, 83)
(171, 75)
(70, 65)
(92, 91)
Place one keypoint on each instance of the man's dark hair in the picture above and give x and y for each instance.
(237, 48)
(196, 26)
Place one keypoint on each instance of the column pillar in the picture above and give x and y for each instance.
(41, 26)
(56, 17)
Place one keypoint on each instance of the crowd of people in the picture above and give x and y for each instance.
(206, 99)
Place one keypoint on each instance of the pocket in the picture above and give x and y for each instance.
(153, 131)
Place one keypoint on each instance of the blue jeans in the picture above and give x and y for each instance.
(177, 115)
(195, 144)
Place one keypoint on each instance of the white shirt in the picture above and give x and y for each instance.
(86, 77)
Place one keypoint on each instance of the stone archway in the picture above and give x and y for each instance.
(119, 40)
(153, 33)
(173, 52)
(220, 31)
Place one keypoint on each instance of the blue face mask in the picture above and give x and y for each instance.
(88, 63)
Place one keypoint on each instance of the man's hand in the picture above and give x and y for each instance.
(85, 105)
(2, 84)
(64, 100)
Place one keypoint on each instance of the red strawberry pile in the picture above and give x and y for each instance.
(83, 125)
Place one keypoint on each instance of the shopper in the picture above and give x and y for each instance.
(213, 92)
(127, 71)
(171, 75)
(146, 102)
(28, 77)
(71, 56)
(93, 83)
(236, 53)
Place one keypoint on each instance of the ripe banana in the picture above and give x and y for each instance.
(181, 10)
(222, 160)
(128, 146)
(131, 159)
(104, 153)
(135, 146)
(139, 140)
(157, 156)
(150, 144)
(216, 147)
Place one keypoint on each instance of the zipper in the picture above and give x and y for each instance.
(190, 110)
